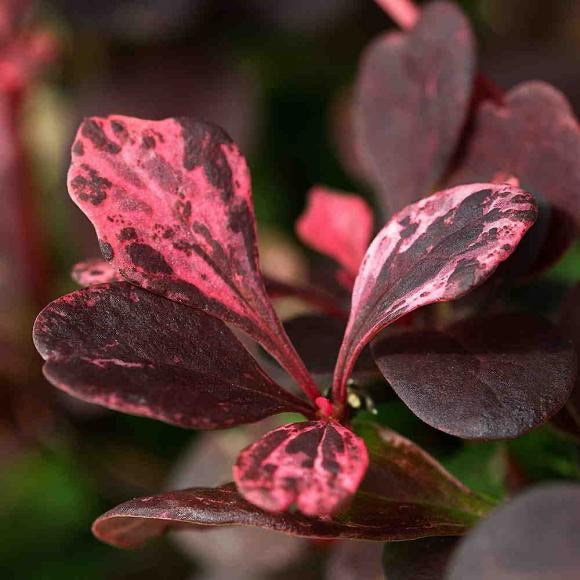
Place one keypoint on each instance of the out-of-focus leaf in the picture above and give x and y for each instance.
(434, 250)
(492, 377)
(351, 560)
(172, 206)
(315, 465)
(424, 559)
(339, 225)
(412, 97)
(534, 537)
(533, 136)
(401, 471)
(94, 271)
(317, 340)
(369, 517)
(130, 350)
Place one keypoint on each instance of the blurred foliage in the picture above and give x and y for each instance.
(51, 489)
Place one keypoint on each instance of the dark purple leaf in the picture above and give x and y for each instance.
(171, 203)
(434, 250)
(536, 536)
(315, 465)
(424, 559)
(412, 97)
(369, 517)
(316, 297)
(317, 340)
(339, 225)
(401, 471)
(133, 351)
(533, 136)
(485, 378)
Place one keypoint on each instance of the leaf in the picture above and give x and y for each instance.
(127, 349)
(492, 377)
(532, 135)
(317, 340)
(94, 271)
(338, 225)
(424, 559)
(535, 536)
(369, 517)
(412, 96)
(400, 471)
(434, 250)
(315, 465)
(316, 297)
(171, 203)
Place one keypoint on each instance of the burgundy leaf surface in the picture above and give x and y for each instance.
(424, 559)
(401, 471)
(533, 136)
(133, 351)
(492, 377)
(369, 517)
(94, 271)
(315, 465)
(536, 536)
(171, 203)
(434, 250)
(317, 339)
(412, 97)
(339, 225)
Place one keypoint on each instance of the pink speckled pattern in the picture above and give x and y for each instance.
(171, 203)
(316, 465)
(434, 250)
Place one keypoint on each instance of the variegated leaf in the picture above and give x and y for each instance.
(171, 203)
(412, 96)
(434, 250)
(315, 465)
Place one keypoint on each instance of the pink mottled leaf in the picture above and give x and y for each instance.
(434, 250)
(534, 537)
(171, 203)
(315, 465)
(130, 350)
(412, 96)
(338, 225)
(94, 271)
(490, 377)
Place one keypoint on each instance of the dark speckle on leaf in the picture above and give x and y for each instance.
(93, 131)
(145, 257)
(106, 250)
